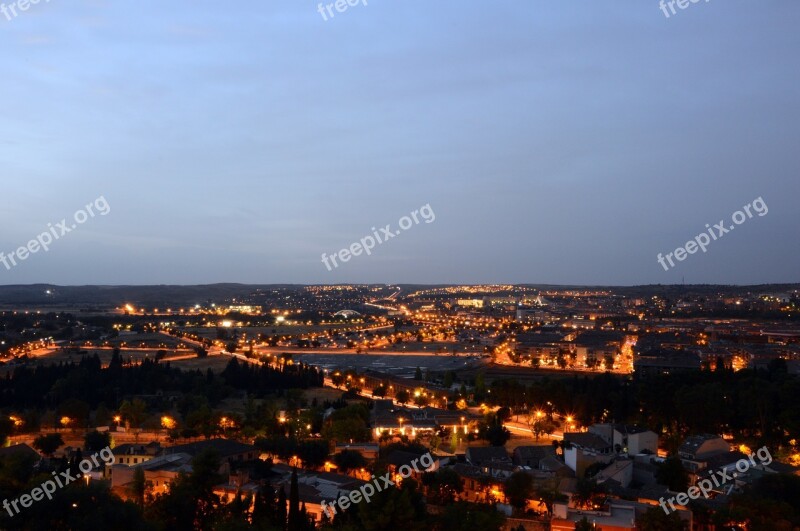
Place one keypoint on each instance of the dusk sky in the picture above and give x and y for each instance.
(557, 142)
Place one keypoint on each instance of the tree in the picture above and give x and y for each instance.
(418, 374)
(518, 489)
(549, 496)
(402, 396)
(480, 384)
(6, 429)
(463, 516)
(313, 452)
(139, 486)
(102, 417)
(76, 410)
(80, 506)
(265, 510)
(133, 412)
(656, 519)
(48, 444)
(444, 485)
(347, 429)
(393, 508)
(190, 502)
(337, 379)
(295, 523)
(435, 442)
(16, 470)
(672, 474)
(94, 441)
(495, 432)
(772, 502)
(281, 512)
(348, 460)
(587, 493)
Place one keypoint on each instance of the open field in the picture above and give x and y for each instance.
(493, 371)
(215, 363)
(395, 364)
(183, 359)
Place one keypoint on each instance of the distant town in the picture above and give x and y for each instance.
(541, 407)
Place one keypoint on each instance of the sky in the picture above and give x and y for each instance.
(555, 142)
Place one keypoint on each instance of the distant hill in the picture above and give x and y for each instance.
(172, 295)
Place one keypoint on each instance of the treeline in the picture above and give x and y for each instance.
(260, 380)
(759, 405)
(88, 381)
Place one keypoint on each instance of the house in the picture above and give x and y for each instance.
(627, 438)
(698, 449)
(585, 449)
(490, 461)
(645, 469)
(160, 471)
(394, 420)
(616, 515)
(531, 456)
(620, 470)
(487, 455)
(555, 466)
(20, 450)
(368, 451)
(718, 463)
(479, 487)
(133, 454)
(162, 465)
(617, 518)
(228, 450)
(667, 361)
(315, 487)
(398, 459)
